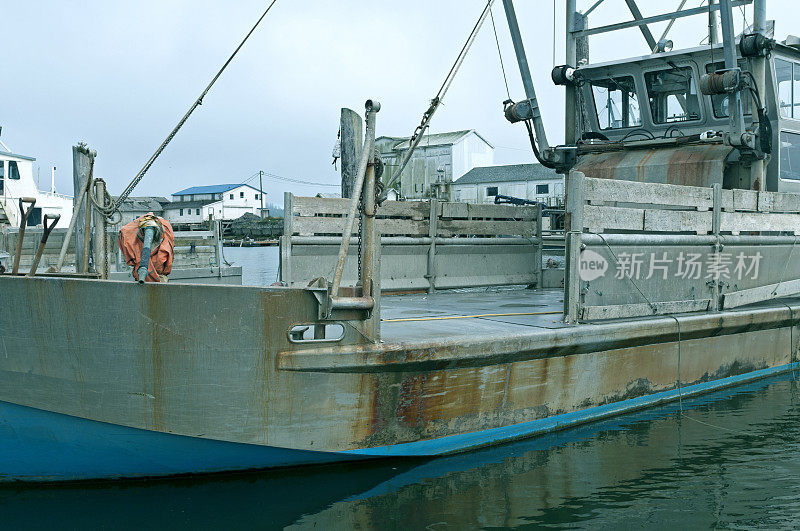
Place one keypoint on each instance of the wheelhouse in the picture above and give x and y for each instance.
(657, 97)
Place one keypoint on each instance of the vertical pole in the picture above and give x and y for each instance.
(729, 48)
(368, 230)
(758, 67)
(286, 240)
(572, 280)
(571, 60)
(100, 231)
(370, 264)
(350, 140)
(539, 243)
(716, 221)
(261, 192)
(81, 161)
(87, 230)
(216, 226)
(713, 36)
(372, 108)
(433, 230)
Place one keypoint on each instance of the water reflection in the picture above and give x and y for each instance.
(259, 264)
(730, 459)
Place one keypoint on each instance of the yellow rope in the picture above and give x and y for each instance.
(467, 316)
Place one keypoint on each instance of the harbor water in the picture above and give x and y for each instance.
(730, 459)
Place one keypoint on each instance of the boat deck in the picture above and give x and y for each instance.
(484, 312)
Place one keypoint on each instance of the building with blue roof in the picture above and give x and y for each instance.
(216, 201)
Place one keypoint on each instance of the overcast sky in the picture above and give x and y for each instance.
(118, 75)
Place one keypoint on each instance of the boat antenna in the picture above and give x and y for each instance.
(413, 142)
(114, 206)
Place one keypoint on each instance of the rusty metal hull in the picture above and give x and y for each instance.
(209, 372)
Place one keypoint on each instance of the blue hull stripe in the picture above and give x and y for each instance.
(455, 443)
(37, 445)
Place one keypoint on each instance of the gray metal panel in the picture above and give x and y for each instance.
(405, 267)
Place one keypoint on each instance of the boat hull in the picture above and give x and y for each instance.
(104, 379)
(42, 446)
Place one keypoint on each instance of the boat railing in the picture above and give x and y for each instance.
(427, 245)
(636, 249)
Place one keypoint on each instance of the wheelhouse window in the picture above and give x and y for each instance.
(673, 95)
(615, 102)
(787, 75)
(719, 102)
(13, 170)
(790, 156)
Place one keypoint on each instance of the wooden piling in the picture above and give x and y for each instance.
(350, 141)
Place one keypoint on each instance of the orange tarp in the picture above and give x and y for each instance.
(161, 255)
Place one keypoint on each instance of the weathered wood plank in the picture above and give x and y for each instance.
(648, 193)
(778, 202)
(316, 206)
(735, 299)
(746, 200)
(322, 225)
(678, 221)
(599, 218)
(464, 227)
(759, 221)
(467, 211)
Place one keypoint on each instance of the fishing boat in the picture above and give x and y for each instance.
(680, 279)
(17, 181)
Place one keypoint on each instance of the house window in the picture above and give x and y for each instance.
(13, 170)
(491, 191)
(231, 196)
(673, 95)
(181, 212)
(198, 212)
(542, 188)
(2, 176)
(256, 196)
(241, 195)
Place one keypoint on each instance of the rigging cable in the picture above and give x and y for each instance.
(199, 101)
(500, 55)
(414, 141)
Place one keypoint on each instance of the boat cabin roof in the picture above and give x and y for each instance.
(5, 154)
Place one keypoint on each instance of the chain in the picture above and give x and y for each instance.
(377, 196)
(106, 260)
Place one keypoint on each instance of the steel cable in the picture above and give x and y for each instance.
(199, 101)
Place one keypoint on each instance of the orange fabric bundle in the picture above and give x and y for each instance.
(161, 255)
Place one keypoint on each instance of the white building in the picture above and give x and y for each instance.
(16, 181)
(439, 158)
(219, 201)
(524, 181)
(136, 207)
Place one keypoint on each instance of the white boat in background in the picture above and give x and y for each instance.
(16, 181)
